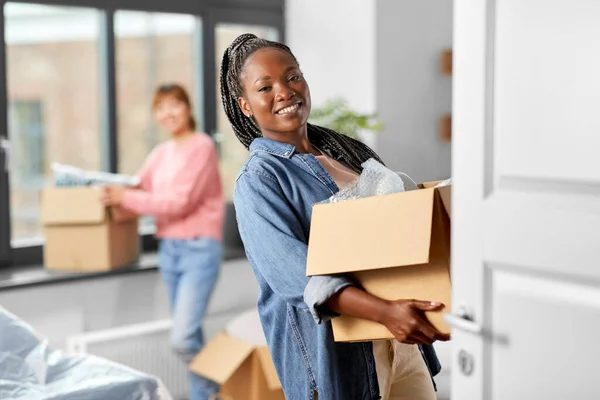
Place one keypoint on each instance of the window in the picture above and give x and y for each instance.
(52, 79)
(79, 82)
(28, 156)
(151, 49)
(232, 153)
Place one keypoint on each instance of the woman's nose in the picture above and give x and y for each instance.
(285, 93)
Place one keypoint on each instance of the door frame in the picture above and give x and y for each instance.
(472, 167)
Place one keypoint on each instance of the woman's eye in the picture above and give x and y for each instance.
(264, 88)
(295, 78)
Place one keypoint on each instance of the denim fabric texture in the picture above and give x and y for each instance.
(190, 269)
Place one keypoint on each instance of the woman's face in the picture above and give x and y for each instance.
(274, 92)
(172, 115)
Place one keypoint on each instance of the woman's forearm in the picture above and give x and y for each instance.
(355, 302)
(405, 319)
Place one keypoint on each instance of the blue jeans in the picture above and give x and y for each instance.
(190, 269)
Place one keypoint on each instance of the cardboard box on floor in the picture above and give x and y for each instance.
(243, 368)
(83, 235)
(396, 246)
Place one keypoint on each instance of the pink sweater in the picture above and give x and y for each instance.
(180, 186)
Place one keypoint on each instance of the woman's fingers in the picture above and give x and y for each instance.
(429, 329)
(421, 338)
(427, 305)
(106, 196)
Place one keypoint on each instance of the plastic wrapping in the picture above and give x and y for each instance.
(375, 180)
(447, 182)
(30, 370)
(68, 175)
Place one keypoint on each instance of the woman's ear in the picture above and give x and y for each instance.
(245, 107)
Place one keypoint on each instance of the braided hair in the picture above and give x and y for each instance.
(352, 151)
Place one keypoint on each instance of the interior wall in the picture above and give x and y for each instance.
(411, 92)
(381, 56)
(334, 42)
(59, 310)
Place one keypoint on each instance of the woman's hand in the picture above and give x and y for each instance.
(112, 195)
(406, 320)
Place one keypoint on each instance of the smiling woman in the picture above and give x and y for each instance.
(292, 166)
(280, 61)
(277, 97)
(181, 188)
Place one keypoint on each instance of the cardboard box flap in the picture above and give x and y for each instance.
(445, 194)
(71, 205)
(371, 233)
(221, 357)
(266, 363)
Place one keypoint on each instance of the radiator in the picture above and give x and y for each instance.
(144, 347)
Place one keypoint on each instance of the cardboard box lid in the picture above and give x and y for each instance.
(371, 233)
(221, 357)
(268, 367)
(78, 206)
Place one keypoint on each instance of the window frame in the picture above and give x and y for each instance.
(208, 13)
(5, 220)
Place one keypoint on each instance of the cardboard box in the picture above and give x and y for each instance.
(396, 246)
(244, 371)
(83, 235)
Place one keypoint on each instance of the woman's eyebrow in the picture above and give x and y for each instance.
(266, 77)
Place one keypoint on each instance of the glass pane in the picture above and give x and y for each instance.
(151, 49)
(53, 100)
(233, 154)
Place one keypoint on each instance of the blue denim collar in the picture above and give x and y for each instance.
(284, 150)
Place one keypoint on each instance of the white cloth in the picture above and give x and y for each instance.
(247, 327)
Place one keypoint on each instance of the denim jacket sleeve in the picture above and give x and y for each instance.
(272, 236)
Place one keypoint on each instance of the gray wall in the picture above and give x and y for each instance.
(411, 92)
(381, 56)
(334, 42)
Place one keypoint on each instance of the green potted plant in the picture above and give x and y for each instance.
(336, 114)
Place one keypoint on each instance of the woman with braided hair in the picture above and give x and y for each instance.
(293, 165)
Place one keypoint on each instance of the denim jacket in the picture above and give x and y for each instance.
(273, 198)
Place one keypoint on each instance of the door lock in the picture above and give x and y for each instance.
(466, 362)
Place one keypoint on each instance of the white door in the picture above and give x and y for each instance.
(526, 206)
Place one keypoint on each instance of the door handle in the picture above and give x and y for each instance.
(463, 321)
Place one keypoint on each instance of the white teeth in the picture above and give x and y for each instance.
(289, 109)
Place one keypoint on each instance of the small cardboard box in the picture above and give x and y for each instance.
(396, 246)
(244, 371)
(83, 235)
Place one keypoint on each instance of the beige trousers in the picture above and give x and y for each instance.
(401, 372)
